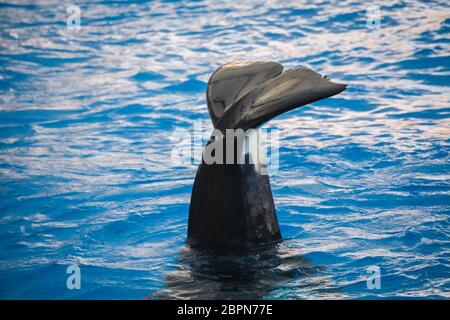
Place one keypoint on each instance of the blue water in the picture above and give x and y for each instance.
(85, 170)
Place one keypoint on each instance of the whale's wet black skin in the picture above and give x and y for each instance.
(232, 206)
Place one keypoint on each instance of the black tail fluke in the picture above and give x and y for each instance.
(247, 95)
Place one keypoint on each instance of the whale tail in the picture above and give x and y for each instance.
(245, 95)
(232, 204)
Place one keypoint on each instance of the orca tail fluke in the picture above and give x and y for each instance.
(249, 94)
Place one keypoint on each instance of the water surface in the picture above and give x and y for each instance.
(85, 170)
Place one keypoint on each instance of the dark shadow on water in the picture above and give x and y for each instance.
(251, 274)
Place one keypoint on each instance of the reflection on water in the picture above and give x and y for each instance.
(85, 170)
(252, 275)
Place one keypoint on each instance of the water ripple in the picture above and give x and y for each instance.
(85, 175)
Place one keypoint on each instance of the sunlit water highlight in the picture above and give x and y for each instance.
(85, 169)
